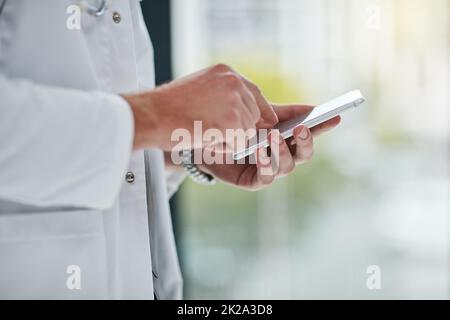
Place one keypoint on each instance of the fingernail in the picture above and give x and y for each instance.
(304, 133)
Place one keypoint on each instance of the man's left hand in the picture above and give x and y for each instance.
(292, 152)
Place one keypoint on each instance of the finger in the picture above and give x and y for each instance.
(268, 117)
(304, 145)
(249, 132)
(265, 173)
(326, 126)
(281, 155)
(247, 117)
(239, 138)
(250, 103)
(245, 95)
(288, 112)
(237, 130)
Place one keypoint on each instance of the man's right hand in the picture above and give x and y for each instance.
(217, 96)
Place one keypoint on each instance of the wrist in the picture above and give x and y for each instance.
(145, 124)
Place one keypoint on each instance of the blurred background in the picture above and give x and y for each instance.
(377, 191)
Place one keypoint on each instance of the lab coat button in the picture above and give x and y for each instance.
(116, 17)
(129, 177)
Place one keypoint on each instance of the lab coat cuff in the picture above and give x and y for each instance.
(122, 144)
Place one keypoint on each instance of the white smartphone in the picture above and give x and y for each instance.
(318, 115)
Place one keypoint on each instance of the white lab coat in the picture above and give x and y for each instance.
(65, 148)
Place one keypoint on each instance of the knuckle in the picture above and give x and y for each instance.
(232, 80)
(255, 88)
(221, 67)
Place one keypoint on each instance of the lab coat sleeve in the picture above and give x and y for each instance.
(62, 147)
(174, 180)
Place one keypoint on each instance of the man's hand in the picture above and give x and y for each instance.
(293, 151)
(218, 96)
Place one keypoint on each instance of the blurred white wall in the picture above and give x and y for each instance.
(391, 156)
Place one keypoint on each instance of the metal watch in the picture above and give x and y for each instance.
(194, 172)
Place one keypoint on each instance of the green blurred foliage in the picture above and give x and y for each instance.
(264, 71)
